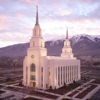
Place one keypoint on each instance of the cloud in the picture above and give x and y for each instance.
(2, 17)
(95, 13)
(85, 1)
(62, 12)
(3, 22)
(18, 15)
(29, 1)
(17, 18)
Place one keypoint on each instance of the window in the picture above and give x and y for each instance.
(46, 85)
(33, 43)
(49, 69)
(39, 32)
(32, 67)
(32, 77)
(58, 75)
(41, 85)
(66, 43)
(41, 44)
(61, 75)
(41, 69)
(26, 74)
(42, 78)
(35, 32)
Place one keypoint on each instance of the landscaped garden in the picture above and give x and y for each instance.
(97, 81)
(73, 93)
(96, 96)
(30, 91)
(85, 92)
(63, 90)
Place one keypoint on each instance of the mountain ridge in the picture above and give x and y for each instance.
(83, 45)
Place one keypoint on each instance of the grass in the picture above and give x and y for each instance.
(63, 90)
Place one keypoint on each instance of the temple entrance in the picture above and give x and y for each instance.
(32, 84)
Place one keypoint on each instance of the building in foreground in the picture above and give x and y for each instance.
(42, 71)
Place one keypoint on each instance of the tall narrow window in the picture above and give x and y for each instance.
(34, 32)
(49, 71)
(39, 32)
(32, 67)
(32, 77)
(41, 76)
(26, 74)
(66, 43)
(41, 44)
(41, 69)
(58, 75)
(61, 75)
(33, 43)
(66, 74)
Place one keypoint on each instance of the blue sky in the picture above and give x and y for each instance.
(17, 19)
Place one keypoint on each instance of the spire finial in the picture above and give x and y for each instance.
(37, 21)
(67, 34)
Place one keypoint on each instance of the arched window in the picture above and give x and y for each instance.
(32, 67)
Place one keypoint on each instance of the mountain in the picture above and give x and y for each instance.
(82, 45)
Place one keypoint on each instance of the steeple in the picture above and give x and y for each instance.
(67, 50)
(67, 34)
(37, 20)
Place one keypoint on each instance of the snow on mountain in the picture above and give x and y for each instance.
(83, 45)
(81, 37)
(56, 42)
(77, 38)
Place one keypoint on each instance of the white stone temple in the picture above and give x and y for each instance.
(42, 71)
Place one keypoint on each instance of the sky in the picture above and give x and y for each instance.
(17, 19)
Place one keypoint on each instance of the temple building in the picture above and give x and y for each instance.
(42, 71)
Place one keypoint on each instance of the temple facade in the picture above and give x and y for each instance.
(42, 71)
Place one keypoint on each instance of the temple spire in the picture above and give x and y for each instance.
(67, 34)
(37, 21)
